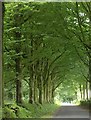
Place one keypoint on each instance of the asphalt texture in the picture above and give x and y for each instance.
(71, 113)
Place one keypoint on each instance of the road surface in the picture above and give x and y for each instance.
(71, 112)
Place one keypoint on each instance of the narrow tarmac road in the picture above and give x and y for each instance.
(72, 113)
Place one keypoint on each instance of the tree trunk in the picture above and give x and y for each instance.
(41, 82)
(52, 96)
(90, 77)
(44, 94)
(17, 37)
(31, 85)
(31, 80)
(18, 81)
(86, 90)
(45, 79)
(35, 89)
(47, 92)
(50, 89)
(40, 92)
(18, 68)
(1, 34)
(81, 92)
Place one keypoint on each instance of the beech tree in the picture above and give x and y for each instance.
(46, 44)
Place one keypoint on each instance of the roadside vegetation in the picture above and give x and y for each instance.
(86, 103)
(27, 110)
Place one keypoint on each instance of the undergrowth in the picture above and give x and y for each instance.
(27, 110)
(85, 102)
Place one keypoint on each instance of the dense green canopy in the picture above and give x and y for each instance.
(46, 50)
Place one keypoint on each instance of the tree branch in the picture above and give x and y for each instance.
(81, 57)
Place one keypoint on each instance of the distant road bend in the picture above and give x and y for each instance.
(71, 112)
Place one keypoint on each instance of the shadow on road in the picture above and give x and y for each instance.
(72, 112)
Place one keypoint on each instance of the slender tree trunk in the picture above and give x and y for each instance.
(86, 90)
(35, 89)
(47, 92)
(31, 85)
(90, 77)
(31, 80)
(50, 89)
(37, 78)
(41, 83)
(41, 67)
(52, 95)
(1, 37)
(18, 68)
(44, 94)
(40, 92)
(17, 37)
(45, 80)
(90, 51)
(81, 92)
(18, 81)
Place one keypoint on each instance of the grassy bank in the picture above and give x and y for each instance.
(27, 110)
(86, 104)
